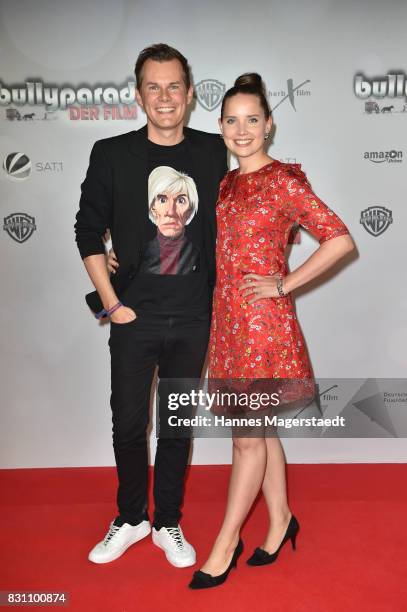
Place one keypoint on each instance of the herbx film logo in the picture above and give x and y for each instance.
(380, 157)
(19, 226)
(291, 93)
(393, 86)
(17, 166)
(209, 93)
(376, 219)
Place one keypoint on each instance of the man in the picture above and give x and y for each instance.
(173, 203)
(157, 319)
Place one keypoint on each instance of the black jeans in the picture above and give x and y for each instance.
(177, 345)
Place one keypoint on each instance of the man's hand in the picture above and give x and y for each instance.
(112, 263)
(124, 314)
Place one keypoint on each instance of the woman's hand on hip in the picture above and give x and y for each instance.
(257, 287)
(111, 262)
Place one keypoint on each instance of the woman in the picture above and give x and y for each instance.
(254, 331)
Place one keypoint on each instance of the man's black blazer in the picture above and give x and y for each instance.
(115, 195)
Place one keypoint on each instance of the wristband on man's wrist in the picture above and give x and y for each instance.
(107, 312)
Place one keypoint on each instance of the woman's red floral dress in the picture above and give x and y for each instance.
(255, 214)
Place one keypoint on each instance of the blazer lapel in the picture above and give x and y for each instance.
(205, 175)
(203, 165)
(134, 202)
(138, 143)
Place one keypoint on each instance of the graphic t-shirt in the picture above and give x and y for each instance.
(172, 277)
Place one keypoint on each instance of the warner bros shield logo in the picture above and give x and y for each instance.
(376, 219)
(19, 226)
(210, 93)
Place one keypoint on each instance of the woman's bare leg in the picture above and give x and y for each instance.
(249, 464)
(275, 492)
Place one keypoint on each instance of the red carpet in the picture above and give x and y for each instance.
(351, 549)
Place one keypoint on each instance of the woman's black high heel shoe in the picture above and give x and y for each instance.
(202, 580)
(262, 557)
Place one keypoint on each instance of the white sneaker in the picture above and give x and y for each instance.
(178, 551)
(118, 540)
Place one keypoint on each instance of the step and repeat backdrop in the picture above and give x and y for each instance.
(336, 80)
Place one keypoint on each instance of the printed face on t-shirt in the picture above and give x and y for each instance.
(172, 205)
(173, 200)
(171, 211)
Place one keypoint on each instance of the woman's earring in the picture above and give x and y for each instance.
(221, 134)
(266, 135)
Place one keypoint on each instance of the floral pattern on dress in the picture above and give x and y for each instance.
(255, 214)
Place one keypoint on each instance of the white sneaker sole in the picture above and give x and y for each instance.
(144, 532)
(179, 564)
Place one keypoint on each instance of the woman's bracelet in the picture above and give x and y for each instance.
(108, 312)
(280, 289)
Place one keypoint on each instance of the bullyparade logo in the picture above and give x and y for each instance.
(103, 101)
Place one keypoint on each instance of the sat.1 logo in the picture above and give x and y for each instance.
(17, 166)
